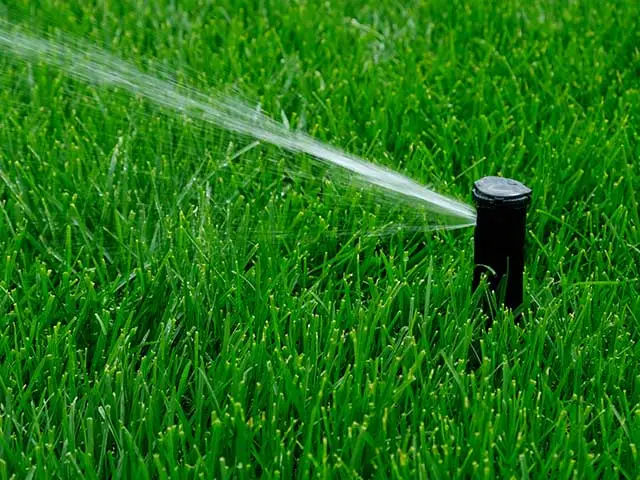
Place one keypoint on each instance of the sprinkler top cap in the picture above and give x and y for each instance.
(498, 191)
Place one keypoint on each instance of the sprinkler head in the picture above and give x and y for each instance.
(501, 205)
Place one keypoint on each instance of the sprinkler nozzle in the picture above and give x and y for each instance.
(501, 205)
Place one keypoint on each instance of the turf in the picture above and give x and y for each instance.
(153, 326)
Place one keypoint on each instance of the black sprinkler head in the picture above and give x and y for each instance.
(501, 205)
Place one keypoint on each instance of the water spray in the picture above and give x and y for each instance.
(92, 65)
(501, 222)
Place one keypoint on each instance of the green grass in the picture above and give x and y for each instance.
(151, 327)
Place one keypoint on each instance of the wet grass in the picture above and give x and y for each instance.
(153, 325)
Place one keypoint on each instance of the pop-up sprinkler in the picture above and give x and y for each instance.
(501, 205)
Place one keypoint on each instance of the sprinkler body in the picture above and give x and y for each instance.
(501, 205)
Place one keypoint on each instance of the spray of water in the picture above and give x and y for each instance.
(89, 64)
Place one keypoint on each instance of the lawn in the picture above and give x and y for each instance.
(176, 301)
